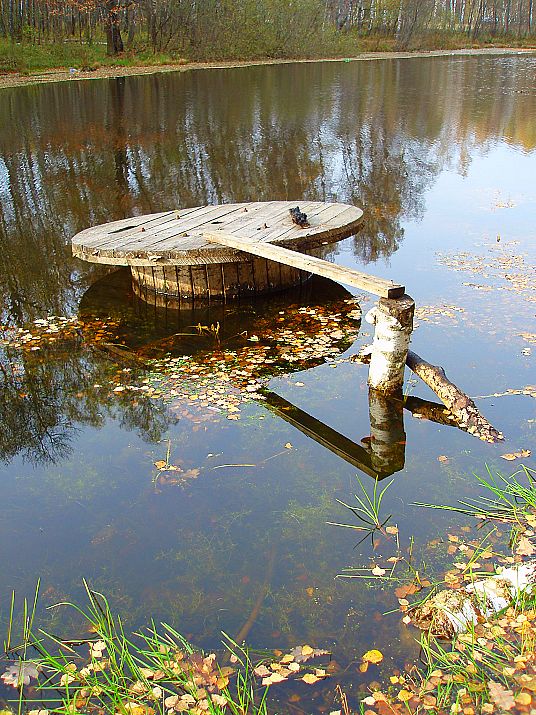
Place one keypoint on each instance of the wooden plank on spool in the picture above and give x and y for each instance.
(341, 274)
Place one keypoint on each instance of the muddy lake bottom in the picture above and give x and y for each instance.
(173, 483)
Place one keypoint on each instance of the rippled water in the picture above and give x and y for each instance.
(440, 154)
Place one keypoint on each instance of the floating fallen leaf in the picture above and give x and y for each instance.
(502, 697)
(442, 458)
(404, 695)
(377, 571)
(521, 454)
(373, 656)
(310, 679)
(302, 654)
(403, 591)
(19, 674)
(391, 529)
(524, 547)
(273, 678)
(288, 445)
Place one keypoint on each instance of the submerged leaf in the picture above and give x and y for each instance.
(19, 674)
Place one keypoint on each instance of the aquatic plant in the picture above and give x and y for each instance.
(367, 510)
(511, 499)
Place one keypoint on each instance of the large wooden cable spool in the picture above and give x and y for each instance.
(169, 256)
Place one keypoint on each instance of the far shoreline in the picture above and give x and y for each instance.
(9, 80)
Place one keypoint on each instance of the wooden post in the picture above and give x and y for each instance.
(393, 322)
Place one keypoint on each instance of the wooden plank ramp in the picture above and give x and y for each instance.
(348, 276)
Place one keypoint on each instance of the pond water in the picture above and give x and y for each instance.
(440, 154)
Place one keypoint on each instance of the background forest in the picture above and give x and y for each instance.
(84, 32)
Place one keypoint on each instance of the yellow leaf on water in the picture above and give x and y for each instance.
(523, 699)
(307, 650)
(310, 679)
(161, 464)
(274, 678)
(405, 695)
(391, 529)
(377, 571)
(373, 656)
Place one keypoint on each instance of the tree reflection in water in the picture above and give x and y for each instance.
(375, 134)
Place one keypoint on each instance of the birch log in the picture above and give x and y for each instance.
(393, 325)
(457, 402)
(451, 612)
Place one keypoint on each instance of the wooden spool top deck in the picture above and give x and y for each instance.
(176, 237)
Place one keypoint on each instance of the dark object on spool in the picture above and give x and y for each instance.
(299, 217)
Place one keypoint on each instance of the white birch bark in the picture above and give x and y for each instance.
(393, 323)
(454, 611)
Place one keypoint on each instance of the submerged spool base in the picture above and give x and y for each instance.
(220, 281)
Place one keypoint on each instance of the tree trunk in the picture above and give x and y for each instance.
(114, 41)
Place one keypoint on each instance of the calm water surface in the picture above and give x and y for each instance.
(440, 153)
